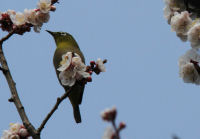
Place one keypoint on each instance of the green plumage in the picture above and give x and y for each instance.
(66, 43)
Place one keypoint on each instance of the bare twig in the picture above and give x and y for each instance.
(59, 100)
(6, 37)
(116, 129)
(20, 108)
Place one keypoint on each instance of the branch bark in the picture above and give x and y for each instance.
(59, 100)
(115, 129)
(20, 108)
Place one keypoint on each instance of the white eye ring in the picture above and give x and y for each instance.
(63, 34)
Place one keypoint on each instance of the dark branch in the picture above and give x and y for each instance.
(6, 37)
(55, 107)
(116, 129)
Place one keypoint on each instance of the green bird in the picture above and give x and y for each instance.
(66, 43)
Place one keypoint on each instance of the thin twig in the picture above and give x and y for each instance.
(6, 37)
(20, 108)
(116, 129)
(55, 107)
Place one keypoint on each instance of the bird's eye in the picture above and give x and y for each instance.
(63, 34)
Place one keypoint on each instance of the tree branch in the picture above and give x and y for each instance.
(6, 37)
(20, 108)
(55, 107)
(116, 129)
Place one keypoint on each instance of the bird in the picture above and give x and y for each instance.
(66, 43)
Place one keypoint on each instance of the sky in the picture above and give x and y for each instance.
(142, 78)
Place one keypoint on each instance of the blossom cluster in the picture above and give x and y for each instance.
(189, 69)
(186, 24)
(22, 22)
(73, 69)
(109, 115)
(16, 131)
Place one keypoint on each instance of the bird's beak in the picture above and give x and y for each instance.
(50, 32)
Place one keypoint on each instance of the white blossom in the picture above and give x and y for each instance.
(67, 78)
(18, 18)
(15, 131)
(109, 114)
(187, 71)
(194, 35)
(100, 65)
(168, 13)
(72, 68)
(23, 132)
(66, 61)
(172, 6)
(44, 6)
(10, 12)
(36, 18)
(30, 16)
(42, 17)
(191, 54)
(181, 22)
(108, 133)
(6, 134)
(189, 74)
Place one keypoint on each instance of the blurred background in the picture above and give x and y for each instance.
(142, 78)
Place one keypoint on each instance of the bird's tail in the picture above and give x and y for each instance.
(77, 115)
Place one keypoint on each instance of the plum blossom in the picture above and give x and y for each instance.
(194, 35)
(109, 114)
(10, 12)
(44, 6)
(16, 131)
(100, 65)
(23, 132)
(189, 74)
(30, 16)
(18, 18)
(181, 22)
(72, 68)
(36, 18)
(15, 127)
(187, 70)
(6, 134)
(42, 17)
(172, 6)
(22, 22)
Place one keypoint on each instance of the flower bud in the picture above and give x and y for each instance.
(89, 79)
(122, 125)
(109, 114)
(23, 132)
